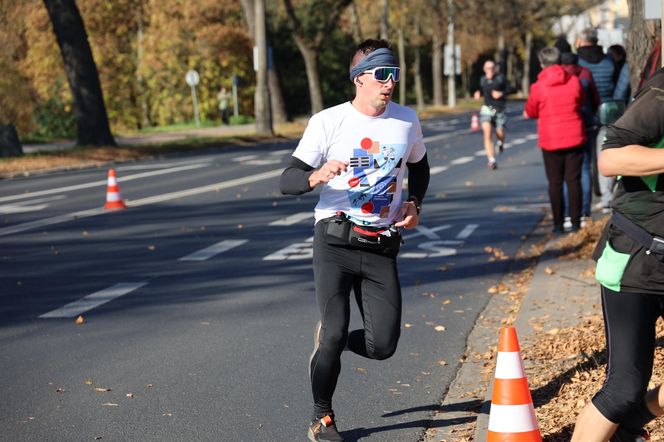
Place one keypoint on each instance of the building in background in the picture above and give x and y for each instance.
(610, 17)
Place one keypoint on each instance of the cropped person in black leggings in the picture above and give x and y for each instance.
(630, 268)
(358, 152)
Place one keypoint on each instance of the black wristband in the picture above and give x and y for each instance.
(414, 200)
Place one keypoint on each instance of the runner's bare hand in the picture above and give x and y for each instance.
(327, 172)
(409, 214)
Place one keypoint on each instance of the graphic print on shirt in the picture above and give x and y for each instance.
(375, 167)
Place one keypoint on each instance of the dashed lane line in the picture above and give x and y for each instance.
(214, 250)
(292, 219)
(139, 202)
(99, 183)
(96, 299)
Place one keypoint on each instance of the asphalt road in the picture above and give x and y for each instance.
(198, 298)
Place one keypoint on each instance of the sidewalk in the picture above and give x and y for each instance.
(155, 138)
(562, 293)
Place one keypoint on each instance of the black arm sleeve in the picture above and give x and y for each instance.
(418, 178)
(295, 178)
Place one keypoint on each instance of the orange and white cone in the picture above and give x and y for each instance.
(512, 416)
(113, 197)
(474, 123)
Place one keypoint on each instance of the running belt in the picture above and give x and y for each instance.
(653, 244)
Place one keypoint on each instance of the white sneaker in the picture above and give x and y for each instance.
(567, 224)
(584, 221)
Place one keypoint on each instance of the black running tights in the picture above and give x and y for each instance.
(373, 278)
(629, 323)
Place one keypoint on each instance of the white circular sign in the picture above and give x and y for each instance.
(192, 78)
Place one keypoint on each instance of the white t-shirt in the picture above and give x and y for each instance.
(377, 149)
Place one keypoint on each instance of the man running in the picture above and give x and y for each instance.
(493, 86)
(358, 153)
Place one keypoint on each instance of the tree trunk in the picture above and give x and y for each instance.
(355, 23)
(417, 74)
(437, 69)
(525, 81)
(402, 63)
(641, 40)
(91, 119)
(384, 20)
(262, 96)
(10, 145)
(310, 57)
(277, 104)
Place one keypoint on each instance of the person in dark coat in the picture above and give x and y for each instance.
(592, 57)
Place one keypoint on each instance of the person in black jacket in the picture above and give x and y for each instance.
(630, 269)
(601, 65)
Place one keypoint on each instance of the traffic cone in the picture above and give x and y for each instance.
(512, 416)
(474, 123)
(113, 197)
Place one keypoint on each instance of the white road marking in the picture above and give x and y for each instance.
(467, 231)
(244, 158)
(480, 153)
(203, 189)
(440, 136)
(29, 206)
(282, 152)
(139, 202)
(438, 249)
(214, 250)
(429, 233)
(300, 250)
(99, 183)
(462, 160)
(535, 207)
(438, 169)
(264, 162)
(151, 166)
(96, 299)
(292, 219)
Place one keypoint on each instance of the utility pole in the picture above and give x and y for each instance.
(262, 95)
(451, 78)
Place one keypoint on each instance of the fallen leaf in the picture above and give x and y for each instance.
(80, 320)
(130, 395)
(102, 389)
(407, 325)
(88, 382)
(109, 404)
(549, 271)
(440, 328)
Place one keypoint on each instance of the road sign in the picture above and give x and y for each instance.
(448, 60)
(192, 78)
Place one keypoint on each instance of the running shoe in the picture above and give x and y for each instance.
(625, 435)
(500, 146)
(317, 330)
(492, 165)
(324, 429)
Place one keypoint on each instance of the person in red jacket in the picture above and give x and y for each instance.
(555, 100)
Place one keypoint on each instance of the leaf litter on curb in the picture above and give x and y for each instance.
(565, 367)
